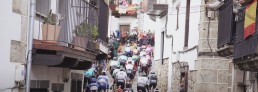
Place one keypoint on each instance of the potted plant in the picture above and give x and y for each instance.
(94, 35)
(51, 28)
(94, 32)
(80, 38)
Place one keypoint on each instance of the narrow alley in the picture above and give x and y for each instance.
(128, 46)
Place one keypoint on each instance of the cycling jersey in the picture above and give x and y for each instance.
(152, 79)
(127, 49)
(142, 80)
(129, 66)
(136, 57)
(103, 82)
(89, 72)
(143, 53)
(144, 61)
(121, 75)
(115, 72)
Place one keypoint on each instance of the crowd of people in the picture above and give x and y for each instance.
(127, 56)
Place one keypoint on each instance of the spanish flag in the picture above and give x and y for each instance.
(250, 19)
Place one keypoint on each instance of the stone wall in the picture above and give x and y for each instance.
(212, 73)
(162, 74)
(192, 75)
(176, 75)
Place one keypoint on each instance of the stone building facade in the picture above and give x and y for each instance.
(212, 73)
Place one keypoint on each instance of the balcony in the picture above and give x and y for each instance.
(118, 9)
(158, 10)
(65, 39)
(226, 30)
(246, 49)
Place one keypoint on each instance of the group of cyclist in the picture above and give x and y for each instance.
(123, 68)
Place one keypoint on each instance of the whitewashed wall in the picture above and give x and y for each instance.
(179, 33)
(10, 24)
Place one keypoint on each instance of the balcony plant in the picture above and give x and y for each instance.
(80, 40)
(94, 32)
(51, 28)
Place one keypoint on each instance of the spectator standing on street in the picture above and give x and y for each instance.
(123, 37)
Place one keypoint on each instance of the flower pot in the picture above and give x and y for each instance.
(50, 32)
(80, 42)
(97, 46)
(91, 45)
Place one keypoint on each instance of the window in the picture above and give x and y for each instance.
(43, 7)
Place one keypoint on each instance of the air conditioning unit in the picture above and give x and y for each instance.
(20, 73)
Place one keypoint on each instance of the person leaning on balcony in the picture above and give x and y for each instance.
(214, 6)
(123, 37)
(237, 6)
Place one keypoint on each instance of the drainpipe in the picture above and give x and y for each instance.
(187, 24)
(170, 81)
(30, 43)
(171, 53)
(244, 87)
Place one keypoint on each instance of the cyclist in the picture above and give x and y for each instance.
(128, 51)
(87, 76)
(136, 58)
(93, 86)
(103, 81)
(113, 65)
(130, 69)
(142, 83)
(121, 77)
(144, 64)
(133, 63)
(149, 58)
(143, 52)
(114, 76)
(152, 80)
(149, 50)
(122, 59)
